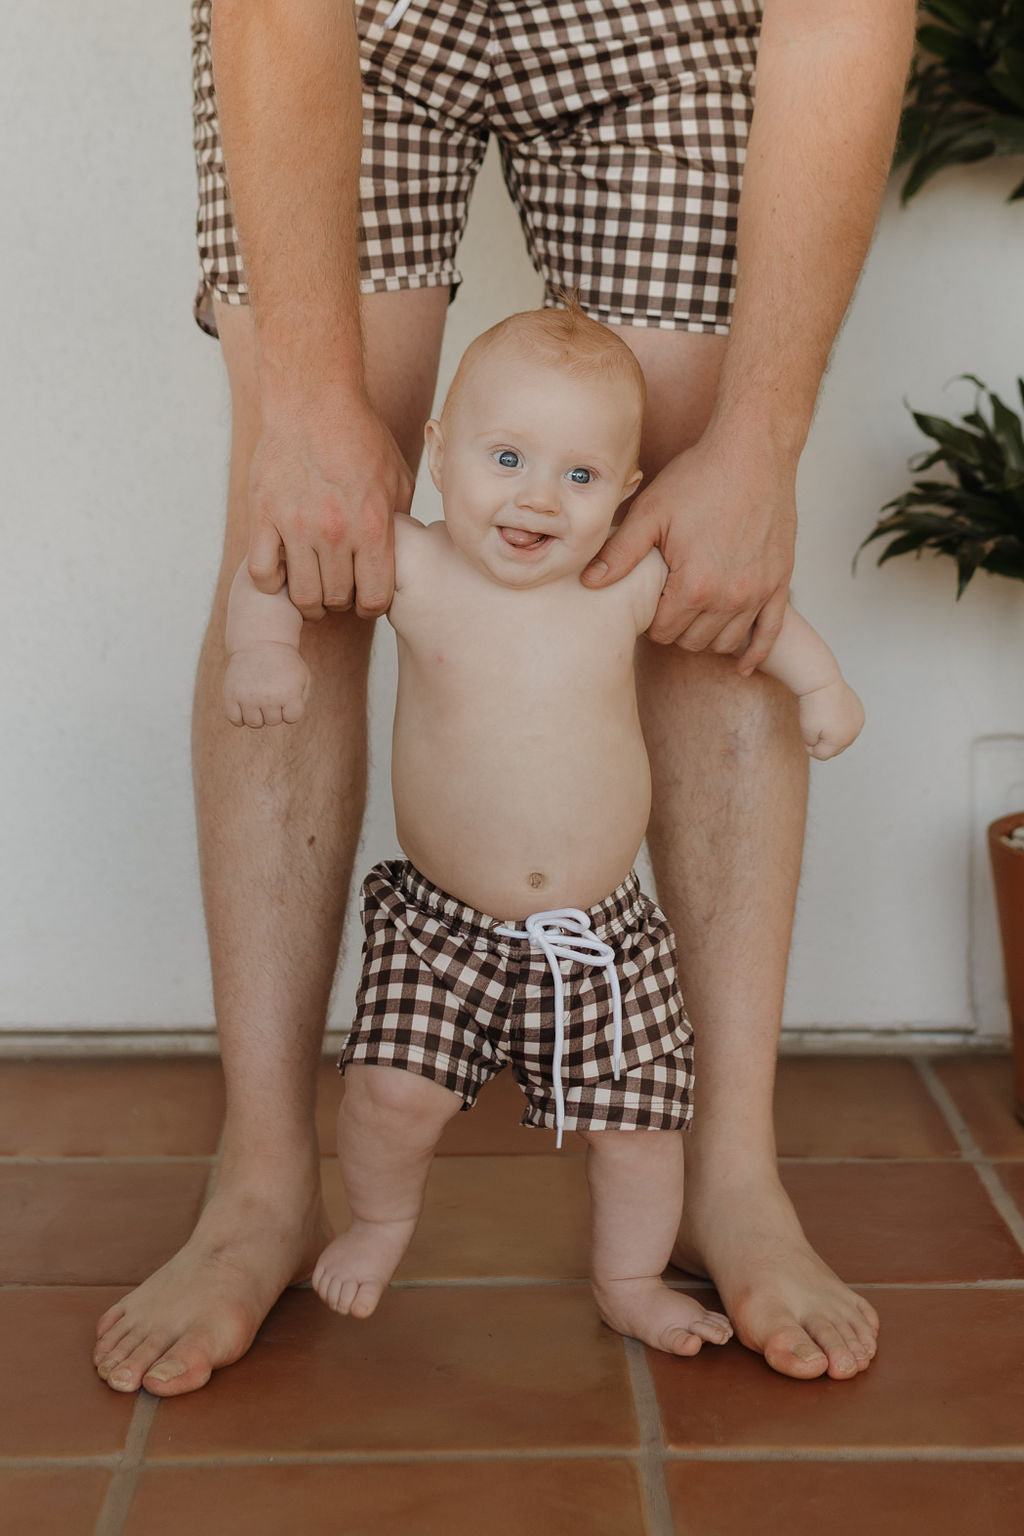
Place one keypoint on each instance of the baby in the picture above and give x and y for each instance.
(515, 932)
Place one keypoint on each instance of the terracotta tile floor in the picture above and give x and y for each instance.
(485, 1396)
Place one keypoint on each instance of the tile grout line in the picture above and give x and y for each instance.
(119, 1497)
(650, 1462)
(121, 1159)
(400, 1457)
(521, 1282)
(1000, 1198)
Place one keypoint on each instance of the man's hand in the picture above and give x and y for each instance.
(724, 518)
(323, 489)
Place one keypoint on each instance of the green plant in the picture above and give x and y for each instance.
(978, 518)
(966, 100)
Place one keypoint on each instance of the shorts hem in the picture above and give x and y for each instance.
(368, 1057)
(202, 304)
(644, 318)
(398, 282)
(546, 1121)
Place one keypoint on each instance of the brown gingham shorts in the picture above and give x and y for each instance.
(444, 996)
(622, 128)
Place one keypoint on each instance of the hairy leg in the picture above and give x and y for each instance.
(636, 1196)
(726, 831)
(279, 814)
(389, 1123)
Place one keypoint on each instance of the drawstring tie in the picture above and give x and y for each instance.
(396, 14)
(578, 943)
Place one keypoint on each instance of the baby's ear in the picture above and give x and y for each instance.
(433, 437)
(632, 483)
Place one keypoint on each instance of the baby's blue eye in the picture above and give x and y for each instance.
(508, 458)
(580, 476)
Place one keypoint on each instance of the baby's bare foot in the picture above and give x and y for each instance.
(648, 1310)
(354, 1271)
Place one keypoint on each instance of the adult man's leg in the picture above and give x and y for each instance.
(279, 812)
(730, 783)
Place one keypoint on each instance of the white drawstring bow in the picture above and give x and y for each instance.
(580, 943)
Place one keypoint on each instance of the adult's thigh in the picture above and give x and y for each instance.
(681, 370)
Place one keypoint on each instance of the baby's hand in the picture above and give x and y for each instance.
(265, 685)
(830, 718)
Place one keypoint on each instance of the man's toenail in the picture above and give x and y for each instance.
(167, 1371)
(120, 1378)
(809, 1352)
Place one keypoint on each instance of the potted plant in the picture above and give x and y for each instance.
(965, 96)
(977, 519)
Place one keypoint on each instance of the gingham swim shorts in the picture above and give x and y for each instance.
(622, 128)
(445, 996)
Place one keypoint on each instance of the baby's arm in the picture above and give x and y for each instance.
(831, 714)
(266, 681)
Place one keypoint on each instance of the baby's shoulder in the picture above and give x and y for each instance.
(410, 539)
(421, 563)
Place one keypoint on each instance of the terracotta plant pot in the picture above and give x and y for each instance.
(1008, 877)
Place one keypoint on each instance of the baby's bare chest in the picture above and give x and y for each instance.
(506, 657)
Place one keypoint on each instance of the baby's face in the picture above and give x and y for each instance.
(531, 464)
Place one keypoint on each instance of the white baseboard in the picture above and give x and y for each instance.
(203, 1042)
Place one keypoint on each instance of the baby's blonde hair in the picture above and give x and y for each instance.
(564, 339)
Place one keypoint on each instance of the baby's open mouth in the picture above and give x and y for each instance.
(522, 538)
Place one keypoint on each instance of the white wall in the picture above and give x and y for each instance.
(114, 415)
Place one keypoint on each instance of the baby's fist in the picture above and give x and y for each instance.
(830, 718)
(265, 685)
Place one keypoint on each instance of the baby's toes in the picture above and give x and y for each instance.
(365, 1302)
(713, 1327)
(680, 1341)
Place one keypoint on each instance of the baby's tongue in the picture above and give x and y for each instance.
(520, 537)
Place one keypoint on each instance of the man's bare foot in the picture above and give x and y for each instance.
(648, 1310)
(784, 1301)
(354, 1271)
(202, 1309)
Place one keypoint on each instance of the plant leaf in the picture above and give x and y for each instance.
(1006, 558)
(902, 546)
(966, 565)
(963, 17)
(963, 443)
(948, 45)
(1011, 86)
(1007, 429)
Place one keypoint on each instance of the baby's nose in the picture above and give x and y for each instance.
(539, 494)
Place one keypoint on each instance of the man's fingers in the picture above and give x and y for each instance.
(266, 558)
(735, 634)
(305, 587)
(338, 580)
(703, 632)
(625, 549)
(765, 632)
(375, 577)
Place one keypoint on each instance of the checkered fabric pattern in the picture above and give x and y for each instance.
(622, 129)
(444, 996)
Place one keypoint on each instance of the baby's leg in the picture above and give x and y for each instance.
(388, 1126)
(636, 1192)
